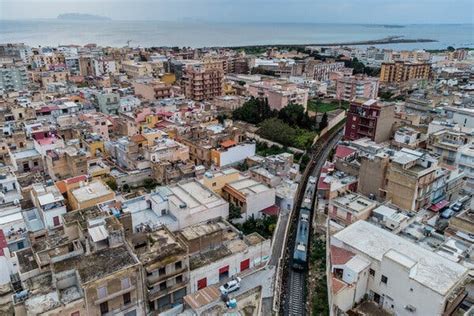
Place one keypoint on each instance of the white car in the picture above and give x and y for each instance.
(230, 286)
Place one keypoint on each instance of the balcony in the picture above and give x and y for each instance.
(114, 295)
(153, 279)
(157, 293)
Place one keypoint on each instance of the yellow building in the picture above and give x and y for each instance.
(90, 195)
(217, 180)
(229, 89)
(168, 78)
(152, 134)
(401, 71)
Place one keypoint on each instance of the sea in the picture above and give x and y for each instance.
(53, 32)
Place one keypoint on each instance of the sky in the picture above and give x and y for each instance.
(288, 11)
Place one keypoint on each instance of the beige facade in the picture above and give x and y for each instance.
(203, 81)
(401, 71)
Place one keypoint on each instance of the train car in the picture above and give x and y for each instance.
(300, 253)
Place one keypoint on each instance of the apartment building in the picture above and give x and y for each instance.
(106, 102)
(465, 162)
(152, 90)
(410, 178)
(355, 87)
(320, 71)
(165, 263)
(203, 81)
(13, 78)
(137, 69)
(279, 93)
(446, 144)
(369, 118)
(402, 71)
(397, 275)
(218, 252)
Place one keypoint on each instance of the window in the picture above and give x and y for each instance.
(104, 308)
(214, 184)
(102, 292)
(178, 265)
(162, 271)
(384, 279)
(56, 221)
(125, 283)
(126, 299)
(179, 279)
(163, 286)
(372, 272)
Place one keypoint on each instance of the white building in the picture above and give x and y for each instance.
(462, 116)
(465, 162)
(251, 196)
(232, 153)
(398, 275)
(190, 202)
(219, 252)
(10, 190)
(50, 202)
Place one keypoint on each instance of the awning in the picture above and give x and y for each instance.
(439, 206)
(271, 210)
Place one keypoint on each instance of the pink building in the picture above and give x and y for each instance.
(354, 87)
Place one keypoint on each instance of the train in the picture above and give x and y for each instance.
(300, 252)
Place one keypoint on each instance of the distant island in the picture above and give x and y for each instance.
(82, 17)
(387, 26)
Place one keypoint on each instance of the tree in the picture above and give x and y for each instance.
(112, 184)
(324, 122)
(451, 49)
(149, 184)
(234, 212)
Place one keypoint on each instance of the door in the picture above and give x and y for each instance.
(56, 220)
(202, 283)
(244, 265)
(223, 273)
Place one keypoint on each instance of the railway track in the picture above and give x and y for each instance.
(294, 282)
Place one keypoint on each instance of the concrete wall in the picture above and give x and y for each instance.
(256, 254)
(258, 202)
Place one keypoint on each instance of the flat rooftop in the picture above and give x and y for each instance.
(93, 190)
(248, 186)
(161, 244)
(428, 268)
(354, 202)
(99, 264)
(191, 195)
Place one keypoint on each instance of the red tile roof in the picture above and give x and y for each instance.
(340, 256)
(271, 210)
(343, 151)
(228, 143)
(337, 285)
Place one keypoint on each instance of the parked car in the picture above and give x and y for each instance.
(447, 213)
(230, 286)
(457, 206)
